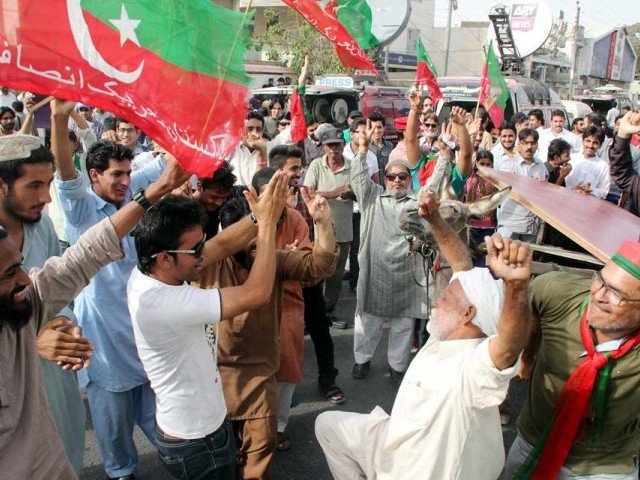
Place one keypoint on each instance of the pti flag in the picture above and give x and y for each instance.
(174, 68)
(298, 120)
(347, 49)
(494, 91)
(426, 73)
(357, 18)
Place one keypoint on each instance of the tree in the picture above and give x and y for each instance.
(634, 32)
(289, 38)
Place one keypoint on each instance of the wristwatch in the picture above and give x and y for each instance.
(253, 218)
(141, 200)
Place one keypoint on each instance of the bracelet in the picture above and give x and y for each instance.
(416, 108)
(253, 218)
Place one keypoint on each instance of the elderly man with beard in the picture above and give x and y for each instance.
(444, 423)
(30, 446)
(386, 288)
(581, 418)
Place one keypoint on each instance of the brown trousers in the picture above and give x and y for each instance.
(256, 439)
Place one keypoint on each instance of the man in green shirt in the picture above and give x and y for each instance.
(583, 408)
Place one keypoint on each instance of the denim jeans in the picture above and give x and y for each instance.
(210, 458)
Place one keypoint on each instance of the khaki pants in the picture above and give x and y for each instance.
(256, 439)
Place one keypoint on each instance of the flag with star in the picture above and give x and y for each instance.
(174, 68)
(494, 92)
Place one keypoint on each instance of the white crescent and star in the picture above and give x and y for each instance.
(82, 37)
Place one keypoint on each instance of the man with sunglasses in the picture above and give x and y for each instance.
(387, 290)
(584, 403)
(176, 324)
(251, 153)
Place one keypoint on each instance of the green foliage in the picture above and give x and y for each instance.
(635, 42)
(289, 38)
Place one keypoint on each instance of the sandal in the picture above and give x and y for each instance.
(284, 442)
(333, 394)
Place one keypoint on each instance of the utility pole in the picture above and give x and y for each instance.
(574, 51)
(453, 5)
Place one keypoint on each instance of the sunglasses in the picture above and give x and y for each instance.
(431, 125)
(284, 124)
(196, 251)
(392, 176)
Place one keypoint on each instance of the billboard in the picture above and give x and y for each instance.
(613, 57)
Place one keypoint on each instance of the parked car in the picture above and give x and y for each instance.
(576, 109)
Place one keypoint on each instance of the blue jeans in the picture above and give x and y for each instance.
(210, 458)
(114, 415)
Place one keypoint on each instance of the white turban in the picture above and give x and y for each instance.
(486, 294)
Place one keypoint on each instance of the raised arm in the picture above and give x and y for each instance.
(451, 247)
(256, 291)
(511, 261)
(60, 146)
(463, 160)
(620, 161)
(411, 142)
(360, 179)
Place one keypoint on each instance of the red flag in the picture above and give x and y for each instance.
(298, 121)
(494, 92)
(139, 60)
(347, 49)
(426, 74)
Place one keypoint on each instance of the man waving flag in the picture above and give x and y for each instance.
(174, 68)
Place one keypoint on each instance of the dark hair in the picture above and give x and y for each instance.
(255, 115)
(161, 227)
(377, 117)
(279, 155)
(593, 131)
(109, 123)
(275, 100)
(280, 79)
(72, 136)
(508, 126)
(536, 112)
(356, 123)
(120, 120)
(284, 116)
(528, 132)
(575, 122)
(233, 211)
(558, 113)
(593, 118)
(17, 106)
(101, 152)
(262, 177)
(557, 147)
(433, 116)
(4, 110)
(484, 154)
(223, 178)
(264, 111)
(12, 170)
(619, 117)
(519, 118)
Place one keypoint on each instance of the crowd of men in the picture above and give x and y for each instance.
(180, 303)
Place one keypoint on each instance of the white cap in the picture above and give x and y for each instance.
(18, 146)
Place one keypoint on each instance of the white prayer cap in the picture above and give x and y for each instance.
(486, 294)
(18, 146)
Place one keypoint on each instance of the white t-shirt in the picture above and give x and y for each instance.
(589, 170)
(174, 332)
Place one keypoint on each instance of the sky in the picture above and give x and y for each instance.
(610, 12)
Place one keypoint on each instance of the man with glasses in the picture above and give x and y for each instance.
(514, 220)
(584, 381)
(387, 290)
(118, 388)
(128, 134)
(251, 153)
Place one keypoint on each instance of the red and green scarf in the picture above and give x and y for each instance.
(585, 394)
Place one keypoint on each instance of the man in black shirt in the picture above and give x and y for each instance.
(212, 193)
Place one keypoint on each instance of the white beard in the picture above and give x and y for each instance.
(440, 327)
(398, 194)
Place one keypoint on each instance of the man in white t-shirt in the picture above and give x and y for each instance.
(590, 173)
(175, 328)
(445, 423)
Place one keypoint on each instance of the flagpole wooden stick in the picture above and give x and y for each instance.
(478, 104)
(226, 69)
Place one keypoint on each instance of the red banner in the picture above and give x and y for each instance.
(347, 49)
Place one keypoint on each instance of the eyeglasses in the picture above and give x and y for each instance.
(392, 176)
(431, 125)
(613, 297)
(196, 251)
(284, 124)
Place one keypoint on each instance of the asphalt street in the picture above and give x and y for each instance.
(305, 460)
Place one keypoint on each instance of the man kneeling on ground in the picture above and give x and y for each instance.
(445, 421)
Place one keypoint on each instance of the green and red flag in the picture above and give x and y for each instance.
(351, 55)
(174, 68)
(357, 17)
(426, 73)
(494, 91)
(298, 120)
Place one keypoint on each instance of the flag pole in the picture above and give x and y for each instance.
(478, 104)
(226, 69)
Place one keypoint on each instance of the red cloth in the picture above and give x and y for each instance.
(298, 122)
(426, 171)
